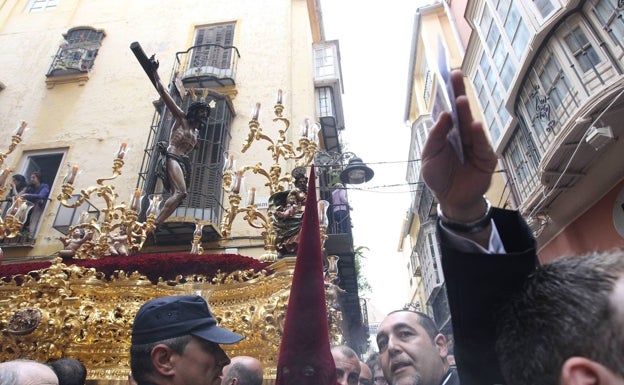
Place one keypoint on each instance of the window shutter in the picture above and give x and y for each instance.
(222, 35)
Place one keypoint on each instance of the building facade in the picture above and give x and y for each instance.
(546, 78)
(549, 80)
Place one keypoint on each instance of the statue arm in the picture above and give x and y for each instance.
(164, 94)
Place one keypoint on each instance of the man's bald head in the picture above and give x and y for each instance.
(26, 372)
(242, 370)
(366, 375)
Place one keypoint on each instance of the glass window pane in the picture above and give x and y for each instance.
(478, 82)
(483, 63)
(502, 8)
(488, 112)
(500, 54)
(490, 78)
(494, 133)
(544, 7)
(503, 114)
(508, 72)
(486, 20)
(324, 102)
(611, 18)
(324, 62)
(493, 37)
(521, 41)
(582, 49)
(572, 41)
(592, 55)
(513, 19)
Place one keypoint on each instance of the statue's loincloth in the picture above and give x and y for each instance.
(162, 169)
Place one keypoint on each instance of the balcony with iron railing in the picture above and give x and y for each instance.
(75, 56)
(426, 206)
(72, 60)
(207, 66)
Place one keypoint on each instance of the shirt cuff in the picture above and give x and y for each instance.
(466, 245)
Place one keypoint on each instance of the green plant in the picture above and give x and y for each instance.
(363, 284)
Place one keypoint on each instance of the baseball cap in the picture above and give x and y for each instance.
(179, 315)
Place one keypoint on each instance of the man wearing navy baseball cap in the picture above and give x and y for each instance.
(175, 341)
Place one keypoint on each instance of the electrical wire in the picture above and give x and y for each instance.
(374, 189)
(395, 161)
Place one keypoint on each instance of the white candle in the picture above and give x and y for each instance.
(238, 180)
(155, 207)
(251, 196)
(21, 128)
(229, 164)
(304, 128)
(255, 112)
(3, 176)
(72, 175)
(135, 203)
(122, 150)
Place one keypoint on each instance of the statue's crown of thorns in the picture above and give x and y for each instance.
(201, 95)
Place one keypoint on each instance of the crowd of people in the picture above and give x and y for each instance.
(515, 322)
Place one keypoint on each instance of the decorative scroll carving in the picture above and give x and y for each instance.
(77, 312)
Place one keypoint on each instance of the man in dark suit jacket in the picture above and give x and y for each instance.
(413, 351)
(494, 279)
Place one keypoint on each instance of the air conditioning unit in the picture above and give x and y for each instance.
(598, 137)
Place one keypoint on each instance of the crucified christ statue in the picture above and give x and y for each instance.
(174, 166)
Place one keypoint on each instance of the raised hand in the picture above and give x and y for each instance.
(459, 187)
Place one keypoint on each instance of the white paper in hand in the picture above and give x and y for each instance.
(444, 70)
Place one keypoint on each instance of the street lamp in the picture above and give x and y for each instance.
(356, 171)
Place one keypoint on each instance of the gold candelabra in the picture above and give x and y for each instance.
(281, 150)
(119, 230)
(11, 225)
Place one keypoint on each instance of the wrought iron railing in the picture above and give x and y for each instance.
(207, 65)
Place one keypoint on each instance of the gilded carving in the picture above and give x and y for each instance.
(76, 312)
